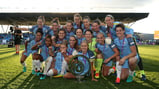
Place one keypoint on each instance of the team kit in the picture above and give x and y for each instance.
(101, 49)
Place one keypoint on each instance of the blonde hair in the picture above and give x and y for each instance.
(78, 15)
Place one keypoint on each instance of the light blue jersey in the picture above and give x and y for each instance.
(28, 50)
(80, 40)
(59, 59)
(76, 27)
(32, 43)
(124, 48)
(45, 30)
(59, 42)
(113, 32)
(84, 29)
(51, 32)
(103, 28)
(70, 50)
(107, 51)
(68, 34)
(45, 51)
(96, 33)
(84, 61)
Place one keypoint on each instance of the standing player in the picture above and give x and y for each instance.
(109, 19)
(77, 21)
(69, 29)
(40, 24)
(96, 28)
(86, 24)
(55, 27)
(17, 40)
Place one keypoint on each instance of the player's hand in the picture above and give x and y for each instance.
(106, 60)
(39, 43)
(121, 62)
(50, 47)
(97, 50)
(15, 28)
(53, 37)
(94, 80)
(25, 51)
(63, 52)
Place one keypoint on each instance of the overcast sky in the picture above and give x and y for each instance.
(147, 25)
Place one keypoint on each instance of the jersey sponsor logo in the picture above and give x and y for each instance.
(132, 43)
(113, 46)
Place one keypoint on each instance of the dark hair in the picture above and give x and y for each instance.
(97, 21)
(88, 31)
(77, 29)
(76, 44)
(55, 20)
(40, 31)
(49, 37)
(78, 15)
(57, 37)
(120, 25)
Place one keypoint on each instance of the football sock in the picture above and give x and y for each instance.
(118, 68)
(98, 65)
(64, 66)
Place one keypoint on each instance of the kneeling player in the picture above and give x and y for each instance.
(128, 53)
(106, 51)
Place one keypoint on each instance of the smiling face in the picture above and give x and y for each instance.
(119, 32)
(86, 23)
(100, 38)
(69, 26)
(63, 48)
(61, 34)
(95, 27)
(79, 33)
(40, 23)
(88, 35)
(77, 20)
(84, 47)
(109, 21)
(55, 26)
(48, 42)
(72, 41)
(38, 36)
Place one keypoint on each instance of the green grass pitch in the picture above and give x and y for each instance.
(12, 77)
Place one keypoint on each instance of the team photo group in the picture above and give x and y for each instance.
(82, 47)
